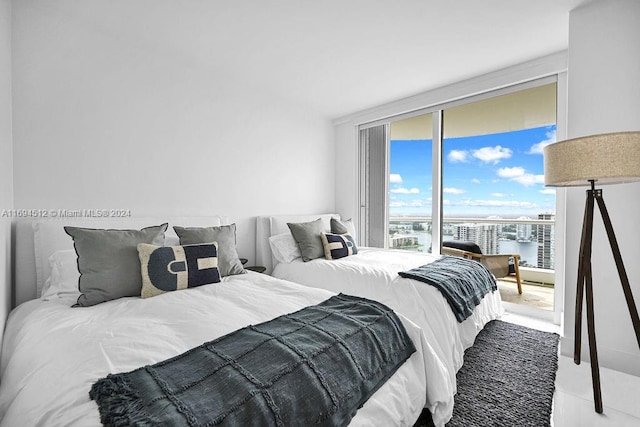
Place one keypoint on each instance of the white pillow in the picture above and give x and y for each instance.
(63, 281)
(47, 239)
(284, 248)
(350, 226)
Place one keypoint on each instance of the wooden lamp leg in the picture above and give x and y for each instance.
(587, 228)
(585, 283)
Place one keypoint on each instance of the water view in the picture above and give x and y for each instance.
(488, 179)
(528, 250)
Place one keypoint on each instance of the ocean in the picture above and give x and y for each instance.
(528, 250)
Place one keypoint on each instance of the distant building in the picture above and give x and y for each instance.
(401, 241)
(448, 228)
(523, 231)
(499, 226)
(546, 242)
(484, 235)
(402, 226)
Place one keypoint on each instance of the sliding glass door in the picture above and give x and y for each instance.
(493, 182)
(467, 170)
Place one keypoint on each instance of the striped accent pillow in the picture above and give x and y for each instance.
(338, 245)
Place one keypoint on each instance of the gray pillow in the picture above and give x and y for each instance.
(307, 235)
(108, 261)
(344, 227)
(224, 235)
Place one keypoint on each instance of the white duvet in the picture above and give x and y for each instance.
(52, 353)
(373, 273)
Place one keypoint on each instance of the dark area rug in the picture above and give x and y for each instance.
(507, 379)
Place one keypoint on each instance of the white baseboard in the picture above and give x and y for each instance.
(607, 357)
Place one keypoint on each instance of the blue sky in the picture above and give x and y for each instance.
(498, 174)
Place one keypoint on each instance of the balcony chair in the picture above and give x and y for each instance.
(497, 264)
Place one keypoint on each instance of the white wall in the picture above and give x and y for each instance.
(107, 121)
(6, 165)
(604, 96)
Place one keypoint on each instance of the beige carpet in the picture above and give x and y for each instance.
(532, 295)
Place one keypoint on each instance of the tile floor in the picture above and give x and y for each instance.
(573, 400)
(533, 295)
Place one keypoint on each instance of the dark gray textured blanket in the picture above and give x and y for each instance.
(316, 366)
(461, 281)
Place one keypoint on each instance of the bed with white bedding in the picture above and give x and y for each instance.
(373, 273)
(52, 353)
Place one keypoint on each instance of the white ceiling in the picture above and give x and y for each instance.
(336, 57)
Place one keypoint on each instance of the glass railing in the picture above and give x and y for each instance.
(532, 239)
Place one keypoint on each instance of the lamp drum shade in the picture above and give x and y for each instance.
(610, 158)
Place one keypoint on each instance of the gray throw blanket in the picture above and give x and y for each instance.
(461, 281)
(316, 366)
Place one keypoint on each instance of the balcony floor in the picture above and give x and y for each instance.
(533, 295)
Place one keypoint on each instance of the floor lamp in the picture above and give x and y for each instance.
(599, 159)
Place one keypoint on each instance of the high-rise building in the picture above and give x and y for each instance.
(500, 225)
(523, 231)
(546, 242)
(484, 235)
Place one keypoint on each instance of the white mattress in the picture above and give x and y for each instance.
(52, 353)
(373, 273)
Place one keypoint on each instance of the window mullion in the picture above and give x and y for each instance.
(436, 193)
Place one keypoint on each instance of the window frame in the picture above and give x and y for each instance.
(558, 77)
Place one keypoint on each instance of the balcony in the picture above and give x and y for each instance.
(494, 235)
(535, 294)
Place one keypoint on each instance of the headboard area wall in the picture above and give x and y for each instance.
(34, 241)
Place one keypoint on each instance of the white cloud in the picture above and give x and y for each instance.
(548, 191)
(492, 203)
(395, 178)
(499, 195)
(529, 179)
(475, 181)
(521, 176)
(511, 173)
(492, 154)
(453, 190)
(537, 148)
(410, 204)
(458, 156)
(402, 190)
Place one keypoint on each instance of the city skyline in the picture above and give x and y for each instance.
(486, 175)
